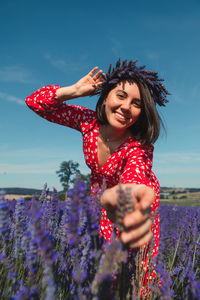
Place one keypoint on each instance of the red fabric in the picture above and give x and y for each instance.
(130, 163)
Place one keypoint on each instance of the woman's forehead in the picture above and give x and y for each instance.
(128, 87)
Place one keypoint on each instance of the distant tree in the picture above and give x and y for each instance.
(68, 169)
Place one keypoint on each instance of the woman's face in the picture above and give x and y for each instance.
(123, 105)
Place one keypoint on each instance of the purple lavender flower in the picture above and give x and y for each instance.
(32, 258)
(44, 194)
(48, 282)
(22, 294)
(20, 226)
(53, 206)
(45, 209)
(42, 235)
(4, 218)
(73, 216)
(108, 267)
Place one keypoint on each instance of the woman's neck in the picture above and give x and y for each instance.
(110, 134)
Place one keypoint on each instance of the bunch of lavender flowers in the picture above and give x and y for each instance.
(114, 277)
(125, 206)
(137, 276)
(126, 266)
(108, 268)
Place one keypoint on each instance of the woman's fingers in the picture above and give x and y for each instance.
(97, 77)
(137, 234)
(138, 223)
(136, 218)
(142, 241)
(144, 196)
(91, 73)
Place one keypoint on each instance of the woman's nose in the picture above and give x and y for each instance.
(125, 105)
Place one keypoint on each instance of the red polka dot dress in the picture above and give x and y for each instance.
(129, 163)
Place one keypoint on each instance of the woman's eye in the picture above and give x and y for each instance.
(137, 103)
(120, 96)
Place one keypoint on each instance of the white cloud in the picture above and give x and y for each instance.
(117, 47)
(39, 168)
(68, 64)
(182, 165)
(195, 91)
(152, 55)
(43, 160)
(178, 170)
(37, 153)
(58, 63)
(11, 98)
(33, 168)
(15, 74)
(178, 157)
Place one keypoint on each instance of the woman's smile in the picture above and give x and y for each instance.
(120, 117)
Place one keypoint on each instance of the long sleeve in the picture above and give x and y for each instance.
(45, 104)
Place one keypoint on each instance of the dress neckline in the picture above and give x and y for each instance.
(114, 152)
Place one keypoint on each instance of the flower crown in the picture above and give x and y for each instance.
(130, 71)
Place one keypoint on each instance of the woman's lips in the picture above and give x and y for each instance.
(121, 117)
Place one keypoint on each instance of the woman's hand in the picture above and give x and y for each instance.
(138, 223)
(84, 87)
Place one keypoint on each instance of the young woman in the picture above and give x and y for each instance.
(117, 140)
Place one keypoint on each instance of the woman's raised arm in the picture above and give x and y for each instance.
(48, 101)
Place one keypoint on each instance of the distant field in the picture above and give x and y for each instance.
(16, 197)
(183, 199)
(180, 202)
(176, 197)
(173, 202)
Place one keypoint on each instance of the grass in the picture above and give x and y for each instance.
(180, 202)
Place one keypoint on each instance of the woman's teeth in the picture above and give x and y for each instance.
(120, 116)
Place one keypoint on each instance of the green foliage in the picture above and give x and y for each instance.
(66, 173)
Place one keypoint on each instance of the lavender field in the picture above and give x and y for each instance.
(50, 249)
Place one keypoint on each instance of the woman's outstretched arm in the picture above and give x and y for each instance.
(138, 223)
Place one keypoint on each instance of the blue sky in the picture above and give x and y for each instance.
(57, 42)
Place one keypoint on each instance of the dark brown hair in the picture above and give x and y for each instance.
(147, 128)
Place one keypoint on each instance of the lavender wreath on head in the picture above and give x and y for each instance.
(129, 72)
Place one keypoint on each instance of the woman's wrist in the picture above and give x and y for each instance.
(67, 93)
